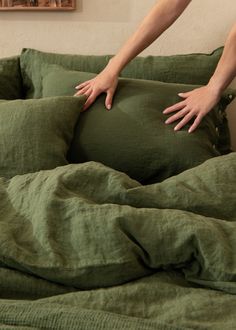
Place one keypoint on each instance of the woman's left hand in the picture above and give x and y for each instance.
(197, 103)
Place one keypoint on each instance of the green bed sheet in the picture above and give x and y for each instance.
(83, 246)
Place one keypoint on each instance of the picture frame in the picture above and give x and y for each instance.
(31, 5)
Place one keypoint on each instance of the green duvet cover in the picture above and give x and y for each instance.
(85, 247)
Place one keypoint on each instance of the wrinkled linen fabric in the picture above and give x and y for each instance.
(86, 246)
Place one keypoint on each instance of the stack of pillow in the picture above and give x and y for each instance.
(42, 126)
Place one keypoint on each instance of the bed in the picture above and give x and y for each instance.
(93, 236)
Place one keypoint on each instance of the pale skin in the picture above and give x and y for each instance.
(196, 103)
(161, 16)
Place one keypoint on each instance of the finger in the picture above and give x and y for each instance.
(195, 124)
(184, 121)
(177, 116)
(87, 93)
(83, 90)
(82, 85)
(108, 102)
(175, 107)
(184, 95)
(89, 101)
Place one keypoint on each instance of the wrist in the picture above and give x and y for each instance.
(216, 87)
(114, 67)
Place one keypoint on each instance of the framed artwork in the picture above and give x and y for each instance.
(8, 5)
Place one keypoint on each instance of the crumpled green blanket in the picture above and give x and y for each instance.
(86, 247)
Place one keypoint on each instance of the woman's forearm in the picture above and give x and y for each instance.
(226, 69)
(163, 14)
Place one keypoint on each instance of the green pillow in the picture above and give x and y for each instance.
(187, 69)
(132, 137)
(10, 79)
(36, 134)
(196, 68)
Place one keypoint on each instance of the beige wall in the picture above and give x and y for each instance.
(101, 26)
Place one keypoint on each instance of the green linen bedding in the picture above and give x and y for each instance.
(196, 68)
(193, 69)
(83, 246)
(133, 137)
(36, 134)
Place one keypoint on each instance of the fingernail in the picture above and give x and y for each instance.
(109, 107)
(167, 121)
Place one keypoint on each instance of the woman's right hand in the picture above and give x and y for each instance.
(104, 82)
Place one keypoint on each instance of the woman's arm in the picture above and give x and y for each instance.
(201, 100)
(162, 15)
